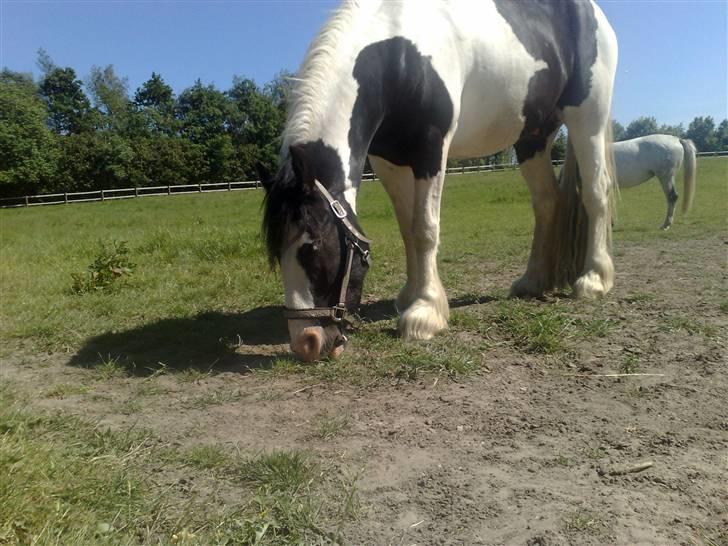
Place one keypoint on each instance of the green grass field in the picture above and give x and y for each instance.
(202, 256)
(199, 281)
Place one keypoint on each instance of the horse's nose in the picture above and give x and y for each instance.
(307, 345)
(338, 346)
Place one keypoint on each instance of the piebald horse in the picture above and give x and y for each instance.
(640, 159)
(409, 84)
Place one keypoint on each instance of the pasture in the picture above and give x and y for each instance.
(162, 406)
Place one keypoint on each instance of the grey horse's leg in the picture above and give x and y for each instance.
(667, 181)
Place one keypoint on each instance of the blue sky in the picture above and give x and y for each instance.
(673, 61)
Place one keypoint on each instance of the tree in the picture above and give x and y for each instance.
(642, 126)
(617, 131)
(702, 132)
(109, 93)
(69, 110)
(674, 130)
(558, 150)
(28, 151)
(721, 135)
(203, 111)
(154, 100)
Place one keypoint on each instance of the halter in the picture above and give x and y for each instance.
(353, 236)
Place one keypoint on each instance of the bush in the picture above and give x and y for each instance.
(111, 264)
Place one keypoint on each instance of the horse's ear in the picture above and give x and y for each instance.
(300, 164)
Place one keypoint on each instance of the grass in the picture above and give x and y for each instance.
(65, 481)
(328, 426)
(200, 283)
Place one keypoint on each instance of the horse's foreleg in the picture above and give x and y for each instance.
(541, 180)
(428, 312)
(667, 182)
(597, 276)
(399, 182)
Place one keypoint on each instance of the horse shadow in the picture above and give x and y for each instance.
(215, 341)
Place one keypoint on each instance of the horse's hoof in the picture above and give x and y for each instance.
(665, 227)
(591, 286)
(524, 287)
(421, 321)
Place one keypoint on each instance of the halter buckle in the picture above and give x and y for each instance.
(339, 210)
(338, 313)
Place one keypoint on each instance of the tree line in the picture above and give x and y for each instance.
(59, 133)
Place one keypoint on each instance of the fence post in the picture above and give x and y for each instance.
(26, 201)
(256, 184)
(169, 189)
(102, 195)
(65, 197)
(199, 187)
(136, 191)
(230, 186)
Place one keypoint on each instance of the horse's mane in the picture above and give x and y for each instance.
(314, 76)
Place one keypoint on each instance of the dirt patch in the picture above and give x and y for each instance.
(518, 453)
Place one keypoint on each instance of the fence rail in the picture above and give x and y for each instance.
(186, 189)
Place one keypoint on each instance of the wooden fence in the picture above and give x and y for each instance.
(186, 189)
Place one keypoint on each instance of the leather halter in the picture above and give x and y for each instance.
(353, 236)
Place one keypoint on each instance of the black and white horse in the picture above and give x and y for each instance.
(640, 159)
(408, 84)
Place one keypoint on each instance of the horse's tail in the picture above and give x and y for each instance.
(571, 222)
(689, 173)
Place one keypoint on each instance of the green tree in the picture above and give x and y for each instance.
(642, 126)
(618, 131)
(702, 132)
(154, 102)
(110, 95)
(558, 150)
(28, 151)
(721, 135)
(69, 110)
(674, 130)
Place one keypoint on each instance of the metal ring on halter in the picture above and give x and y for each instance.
(338, 313)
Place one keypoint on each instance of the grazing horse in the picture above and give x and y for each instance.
(638, 160)
(408, 84)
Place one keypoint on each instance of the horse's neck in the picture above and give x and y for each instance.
(325, 92)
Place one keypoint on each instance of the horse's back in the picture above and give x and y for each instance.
(639, 159)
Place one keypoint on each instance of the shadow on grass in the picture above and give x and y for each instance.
(238, 342)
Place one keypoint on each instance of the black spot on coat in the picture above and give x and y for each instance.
(563, 34)
(402, 111)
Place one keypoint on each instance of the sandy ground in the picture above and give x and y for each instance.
(527, 451)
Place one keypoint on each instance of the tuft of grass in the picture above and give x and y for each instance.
(111, 265)
(582, 521)
(540, 329)
(110, 367)
(64, 390)
(214, 398)
(690, 325)
(206, 457)
(630, 364)
(329, 426)
(193, 375)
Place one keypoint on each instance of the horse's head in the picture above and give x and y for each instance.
(312, 233)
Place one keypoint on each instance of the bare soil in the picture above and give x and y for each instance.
(521, 452)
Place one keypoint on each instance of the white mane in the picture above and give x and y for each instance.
(313, 78)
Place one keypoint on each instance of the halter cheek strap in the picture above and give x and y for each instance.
(337, 313)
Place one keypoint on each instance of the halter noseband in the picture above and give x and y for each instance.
(353, 236)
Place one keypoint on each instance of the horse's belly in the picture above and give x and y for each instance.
(485, 126)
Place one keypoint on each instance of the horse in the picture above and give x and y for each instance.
(640, 159)
(409, 84)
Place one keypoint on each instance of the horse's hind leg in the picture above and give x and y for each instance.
(399, 182)
(541, 180)
(667, 181)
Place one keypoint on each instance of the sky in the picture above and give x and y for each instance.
(673, 54)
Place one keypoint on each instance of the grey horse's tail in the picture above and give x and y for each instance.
(689, 173)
